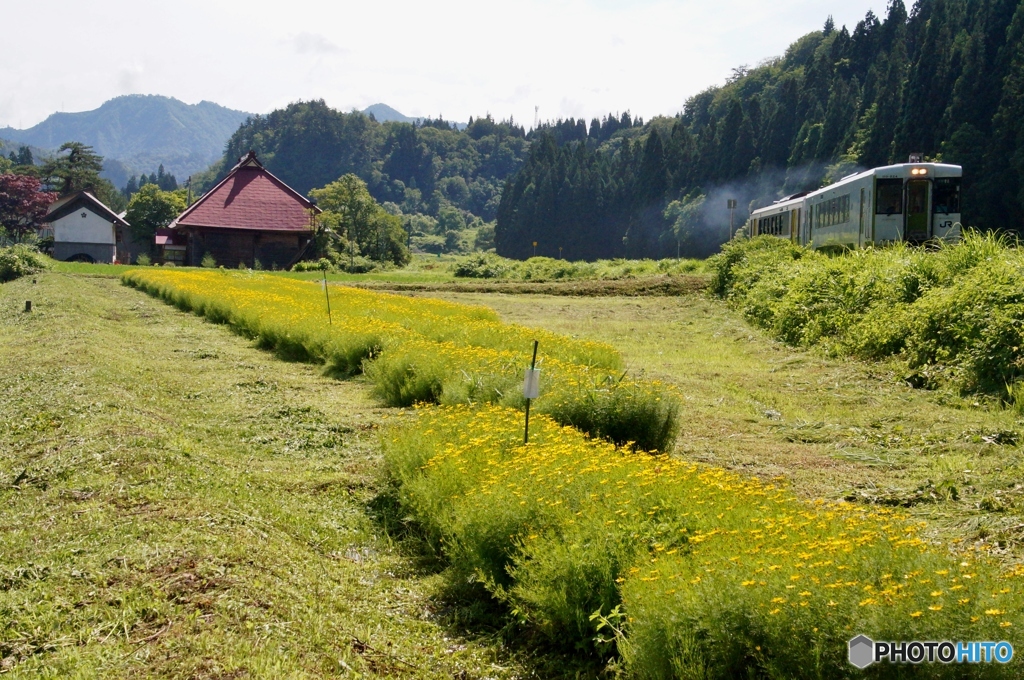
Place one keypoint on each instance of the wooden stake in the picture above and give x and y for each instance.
(327, 293)
(533, 365)
(28, 305)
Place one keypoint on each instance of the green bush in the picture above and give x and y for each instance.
(481, 266)
(323, 264)
(641, 414)
(20, 260)
(143, 260)
(952, 316)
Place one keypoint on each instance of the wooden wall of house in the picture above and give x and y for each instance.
(229, 247)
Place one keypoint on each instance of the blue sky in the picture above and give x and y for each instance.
(459, 58)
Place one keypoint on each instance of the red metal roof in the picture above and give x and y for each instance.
(249, 198)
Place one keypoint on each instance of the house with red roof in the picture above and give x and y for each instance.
(249, 216)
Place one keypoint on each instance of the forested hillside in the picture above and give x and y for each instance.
(440, 178)
(945, 79)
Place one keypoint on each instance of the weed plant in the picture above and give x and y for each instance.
(427, 350)
(685, 570)
(20, 260)
(952, 315)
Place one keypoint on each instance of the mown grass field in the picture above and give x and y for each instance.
(222, 502)
(177, 503)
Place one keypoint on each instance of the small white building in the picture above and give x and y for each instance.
(84, 229)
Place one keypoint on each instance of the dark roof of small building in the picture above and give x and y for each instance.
(83, 199)
(164, 237)
(250, 197)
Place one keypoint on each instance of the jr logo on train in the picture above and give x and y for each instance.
(913, 202)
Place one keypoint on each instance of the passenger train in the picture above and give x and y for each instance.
(913, 202)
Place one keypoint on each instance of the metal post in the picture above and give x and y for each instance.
(327, 293)
(533, 365)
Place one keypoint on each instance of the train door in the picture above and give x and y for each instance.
(917, 227)
(794, 224)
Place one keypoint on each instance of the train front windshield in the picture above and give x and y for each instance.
(889, 197)
(946, 196)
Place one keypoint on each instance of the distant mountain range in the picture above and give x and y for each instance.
(137, 133)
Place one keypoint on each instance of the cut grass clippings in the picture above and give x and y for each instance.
(176, 503)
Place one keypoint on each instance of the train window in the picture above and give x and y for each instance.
(946, 195)
(889, 196)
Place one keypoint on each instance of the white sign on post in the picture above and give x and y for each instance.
(531, 385)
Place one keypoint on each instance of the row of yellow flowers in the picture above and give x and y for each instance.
(426, 350)
(692, 570)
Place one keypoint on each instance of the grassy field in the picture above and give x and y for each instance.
(178, 503)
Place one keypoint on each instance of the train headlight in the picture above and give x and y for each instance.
(918, 172)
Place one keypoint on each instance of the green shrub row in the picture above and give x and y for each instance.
(491, 266)
(953, 314)
(683, 570)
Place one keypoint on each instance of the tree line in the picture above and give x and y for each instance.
(945, 79)
(443, 181)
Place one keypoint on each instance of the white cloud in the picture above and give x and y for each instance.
(460, 58)
(314, 43)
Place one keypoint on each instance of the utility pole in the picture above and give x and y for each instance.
(732, 212)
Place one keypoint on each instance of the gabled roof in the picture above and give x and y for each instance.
(250, 197)
(76, 202)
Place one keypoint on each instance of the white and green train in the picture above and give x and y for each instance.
(913, 202)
